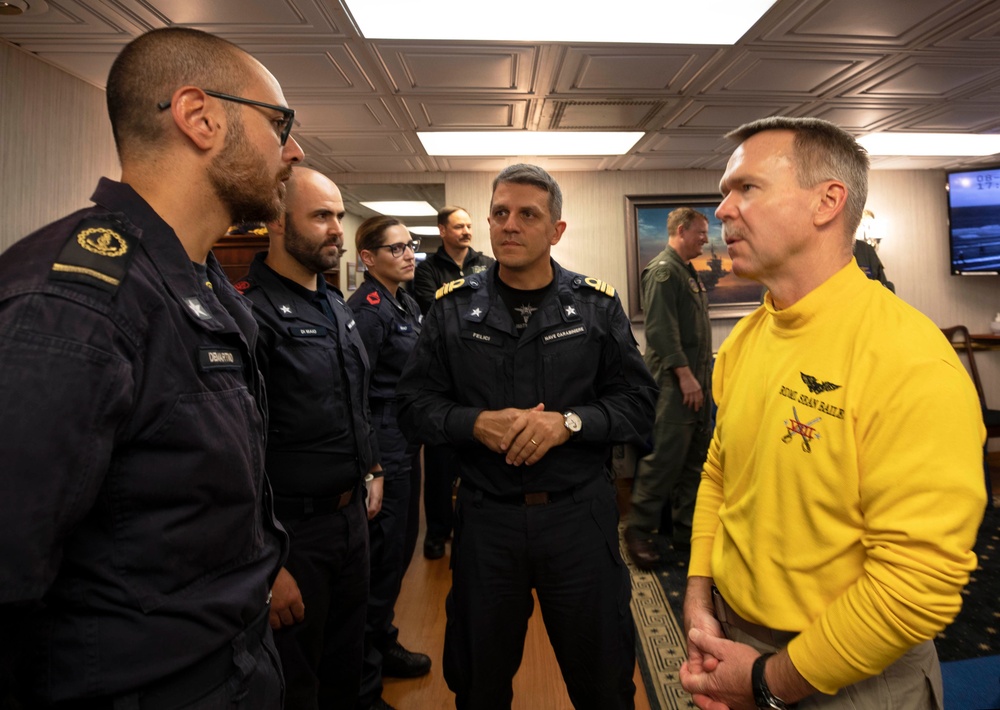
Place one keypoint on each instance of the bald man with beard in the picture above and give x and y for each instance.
(139, 544)
(321, 445)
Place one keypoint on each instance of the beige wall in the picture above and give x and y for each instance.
(55, 141)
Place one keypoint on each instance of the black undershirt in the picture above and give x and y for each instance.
(521, 304)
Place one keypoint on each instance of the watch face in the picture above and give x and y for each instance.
(573, 421)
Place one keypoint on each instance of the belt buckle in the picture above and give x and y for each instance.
(540, 498)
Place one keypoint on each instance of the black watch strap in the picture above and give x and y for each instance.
(762, 696)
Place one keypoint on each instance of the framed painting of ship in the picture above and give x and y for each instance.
(729, 296)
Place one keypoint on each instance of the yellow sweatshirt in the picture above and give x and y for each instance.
(844, 485)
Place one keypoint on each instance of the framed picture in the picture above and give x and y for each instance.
(729, 296)
(352, 276)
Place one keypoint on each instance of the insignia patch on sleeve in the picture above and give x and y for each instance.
(97, 254)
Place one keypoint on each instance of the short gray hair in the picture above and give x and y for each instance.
(525, 174)
(823, 151)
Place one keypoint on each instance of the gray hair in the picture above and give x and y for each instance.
(823, 151)
(525, 174)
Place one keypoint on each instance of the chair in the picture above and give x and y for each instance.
(959, 336)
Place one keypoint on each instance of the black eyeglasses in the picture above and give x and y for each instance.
(397, 249)
(288, 115)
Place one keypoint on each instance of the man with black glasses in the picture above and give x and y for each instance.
(321, 445)
(139, 544)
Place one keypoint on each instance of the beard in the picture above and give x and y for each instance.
(239, 177)
(307, 252)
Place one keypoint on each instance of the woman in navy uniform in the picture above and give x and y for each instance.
(388, 321)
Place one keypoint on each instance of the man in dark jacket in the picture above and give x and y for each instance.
(321, 444)
(531, 373)
(454, 259)
(139, 544)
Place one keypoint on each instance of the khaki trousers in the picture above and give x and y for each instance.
(911, 683)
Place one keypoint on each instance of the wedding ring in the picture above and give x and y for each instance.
(534, 442)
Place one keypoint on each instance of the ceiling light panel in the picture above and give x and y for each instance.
(402, 208)
(719, 22)
(931, 144)
(527, 143)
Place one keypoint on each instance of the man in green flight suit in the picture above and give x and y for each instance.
(678, 354)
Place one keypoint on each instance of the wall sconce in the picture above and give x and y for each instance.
(867, 231)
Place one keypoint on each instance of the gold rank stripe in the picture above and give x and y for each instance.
(601, 286)
(448, 288)
(67, 268)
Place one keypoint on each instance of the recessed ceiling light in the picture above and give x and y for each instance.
(13, 7)
(22, 8)
(629, 21)
(528, 143)
(930, 144)
(402, 208)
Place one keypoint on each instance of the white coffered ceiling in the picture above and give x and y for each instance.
(868, 65)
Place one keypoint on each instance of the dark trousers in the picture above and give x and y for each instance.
(387, 533)
(413, 515)
(567, 550)
(250, 681)
(440, 471)
(670, 476)
(328, 558)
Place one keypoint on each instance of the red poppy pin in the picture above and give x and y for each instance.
(241, 286)
(374, 298)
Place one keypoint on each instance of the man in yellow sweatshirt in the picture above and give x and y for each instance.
(843, 488)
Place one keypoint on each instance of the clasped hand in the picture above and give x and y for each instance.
(524, 435)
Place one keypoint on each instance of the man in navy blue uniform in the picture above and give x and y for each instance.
(454, 259)
(139, 543)
(320, 446)
(532, 373)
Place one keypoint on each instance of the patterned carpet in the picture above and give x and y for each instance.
(657, 599)
(656, 608)
(976, 630)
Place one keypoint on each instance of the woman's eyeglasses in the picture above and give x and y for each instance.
(397, 249)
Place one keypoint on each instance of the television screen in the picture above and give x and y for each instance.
(974, 221)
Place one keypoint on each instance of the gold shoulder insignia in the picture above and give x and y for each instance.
(599, 286)
(449, 287)
(97, 253)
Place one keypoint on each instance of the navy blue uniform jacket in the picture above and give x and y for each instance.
(136, 517)
(577, 353)
(317, 375)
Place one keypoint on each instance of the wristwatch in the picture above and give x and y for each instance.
(572, 421)
(763, 698)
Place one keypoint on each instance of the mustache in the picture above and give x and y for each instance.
(732, 231)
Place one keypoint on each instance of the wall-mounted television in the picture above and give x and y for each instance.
(974, 221)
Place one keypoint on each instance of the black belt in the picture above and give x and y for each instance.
(528, 499)
(185, 686)
(304, 507)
